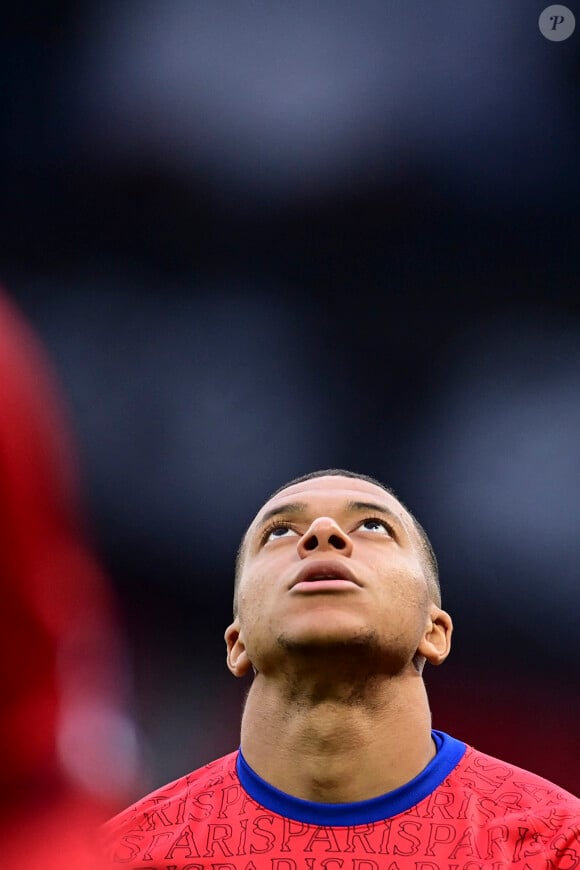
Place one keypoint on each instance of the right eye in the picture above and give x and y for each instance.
(276, 531)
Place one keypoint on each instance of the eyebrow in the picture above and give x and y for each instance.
(300, 507)
(360, 506)
(294, 507)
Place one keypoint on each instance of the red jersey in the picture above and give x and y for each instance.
(61, 774)
(464, 811)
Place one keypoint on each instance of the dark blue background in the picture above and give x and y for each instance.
(259, 240)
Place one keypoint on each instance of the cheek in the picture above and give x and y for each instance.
(253, 598)
(404, 592)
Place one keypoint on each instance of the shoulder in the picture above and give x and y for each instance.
(194, 795)
(503, 789)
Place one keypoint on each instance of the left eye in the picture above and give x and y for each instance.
(372, 525)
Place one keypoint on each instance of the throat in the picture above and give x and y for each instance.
(326, 697)
(321, 754)
(337, 741)
(353, 672)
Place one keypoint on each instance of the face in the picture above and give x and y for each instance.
(331, 561)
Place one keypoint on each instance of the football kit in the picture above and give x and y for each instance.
(464, 811)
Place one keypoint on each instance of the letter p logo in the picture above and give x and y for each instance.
(557, 23)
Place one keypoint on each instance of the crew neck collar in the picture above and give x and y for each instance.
(449, 753)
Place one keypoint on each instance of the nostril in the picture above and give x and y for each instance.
(337, 542)
(311, 543)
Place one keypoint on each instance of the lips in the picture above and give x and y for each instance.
(325, 570)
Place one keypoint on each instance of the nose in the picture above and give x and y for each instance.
(325, 535)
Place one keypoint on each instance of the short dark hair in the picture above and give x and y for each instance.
(428, 552)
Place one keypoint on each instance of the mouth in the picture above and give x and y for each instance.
(321, 575)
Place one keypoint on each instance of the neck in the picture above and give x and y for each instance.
(337, 740)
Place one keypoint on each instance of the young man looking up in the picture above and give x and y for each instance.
(336, 611)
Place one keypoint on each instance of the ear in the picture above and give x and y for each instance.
(436, 641)
(237, 657)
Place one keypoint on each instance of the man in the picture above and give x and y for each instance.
(336, 611)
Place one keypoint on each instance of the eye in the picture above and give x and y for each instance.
(277, 531)
(372, 524)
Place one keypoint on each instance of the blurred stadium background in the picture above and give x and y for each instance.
(257, 239)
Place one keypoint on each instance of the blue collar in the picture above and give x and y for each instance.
(449, 753)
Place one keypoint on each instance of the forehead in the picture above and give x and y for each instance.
(331, 492)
